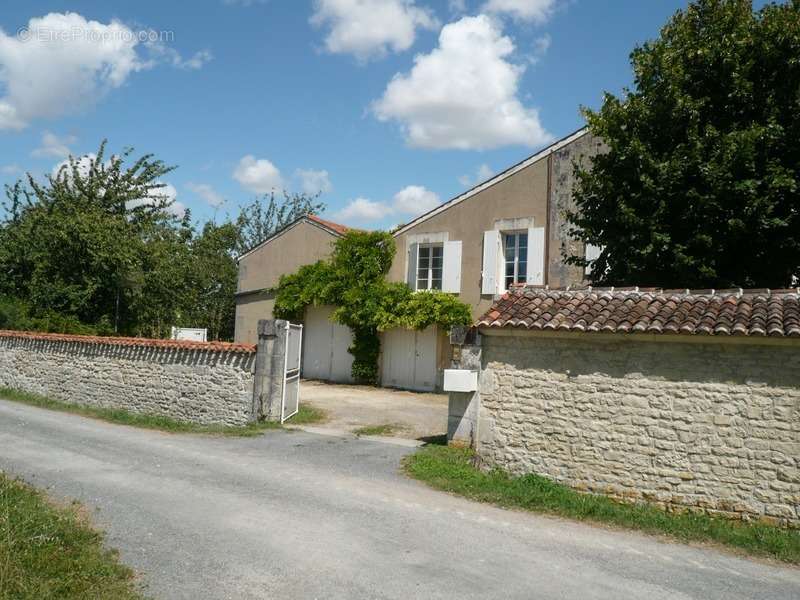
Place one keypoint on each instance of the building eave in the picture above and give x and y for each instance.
(544, 153)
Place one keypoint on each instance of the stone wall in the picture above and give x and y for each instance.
(705, 425)
(205, 383)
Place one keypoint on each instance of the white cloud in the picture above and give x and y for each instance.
(54, 146)
(159, 52)
(82, 163)
(370, 28)
(13, 169)
(463, 94)
(63, 63)
(207, 193)
(540, 47)
(166, 192)
(534, 11)
(482, 173)
(412, 200)
(48, 75)
(313, 182)
(362, 209)
(177, 209)
(415, 200)
(258, 175)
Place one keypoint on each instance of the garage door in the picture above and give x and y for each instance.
(325, 345)
(409, 359)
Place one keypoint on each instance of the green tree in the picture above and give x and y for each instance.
(264, 216)
(213, 281)
(72, 244)
(699, 184)
(354, 280)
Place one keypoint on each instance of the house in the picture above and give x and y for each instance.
(303, 242)
(507, 231)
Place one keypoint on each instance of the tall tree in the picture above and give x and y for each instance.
(264, 216)
(72, 243)
(213, 280)
(700, 185)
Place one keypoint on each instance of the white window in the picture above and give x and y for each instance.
(429, 266)
(515, 255)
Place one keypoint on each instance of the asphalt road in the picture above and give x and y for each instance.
(297, 515)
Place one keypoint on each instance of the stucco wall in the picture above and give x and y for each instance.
(187, 381)
(301, 244)
(708, 426)
(521, 195)
(249, 309)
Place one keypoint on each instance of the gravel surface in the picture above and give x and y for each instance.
(298, 515)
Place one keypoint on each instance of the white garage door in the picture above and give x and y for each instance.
(325, 345)
(409, 359)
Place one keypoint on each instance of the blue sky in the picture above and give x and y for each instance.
(389, 106)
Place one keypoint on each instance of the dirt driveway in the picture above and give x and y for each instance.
(377, 411)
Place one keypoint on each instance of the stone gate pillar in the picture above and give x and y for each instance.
(269, 373)
(464, 407)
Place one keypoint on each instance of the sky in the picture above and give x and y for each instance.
(386, 107)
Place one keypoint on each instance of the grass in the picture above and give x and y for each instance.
(308, 415)
(452, 470)
(124, 417)
(52, 552)
(385, 429)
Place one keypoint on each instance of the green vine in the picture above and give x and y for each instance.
(354, 281)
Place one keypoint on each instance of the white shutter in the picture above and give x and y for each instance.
(536, 252)
(411, 276)
(591, 254)
(451, 269)
(491, 252)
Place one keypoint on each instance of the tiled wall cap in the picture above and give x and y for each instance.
(754, 312)
(129, 341)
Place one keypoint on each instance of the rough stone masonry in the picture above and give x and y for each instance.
(699, 424)
(205, 383)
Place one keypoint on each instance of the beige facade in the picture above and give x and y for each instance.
(305, 242)
(528, 198)
(533, 194)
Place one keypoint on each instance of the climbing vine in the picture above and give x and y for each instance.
(354, 281)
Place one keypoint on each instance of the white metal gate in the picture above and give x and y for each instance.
(290, 400)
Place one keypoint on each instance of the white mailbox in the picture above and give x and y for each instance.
(460, 380)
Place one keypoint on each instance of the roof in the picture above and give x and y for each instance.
(773, 313)
(340, 229)
(554, 147)
(335, 229)
(128, 341)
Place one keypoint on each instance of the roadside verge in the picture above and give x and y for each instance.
(122, 417)
(451, 470)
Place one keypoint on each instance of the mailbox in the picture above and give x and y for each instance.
(460, 380)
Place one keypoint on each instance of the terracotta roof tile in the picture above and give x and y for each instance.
(128, 341)
(343, 229)
(761, 312)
